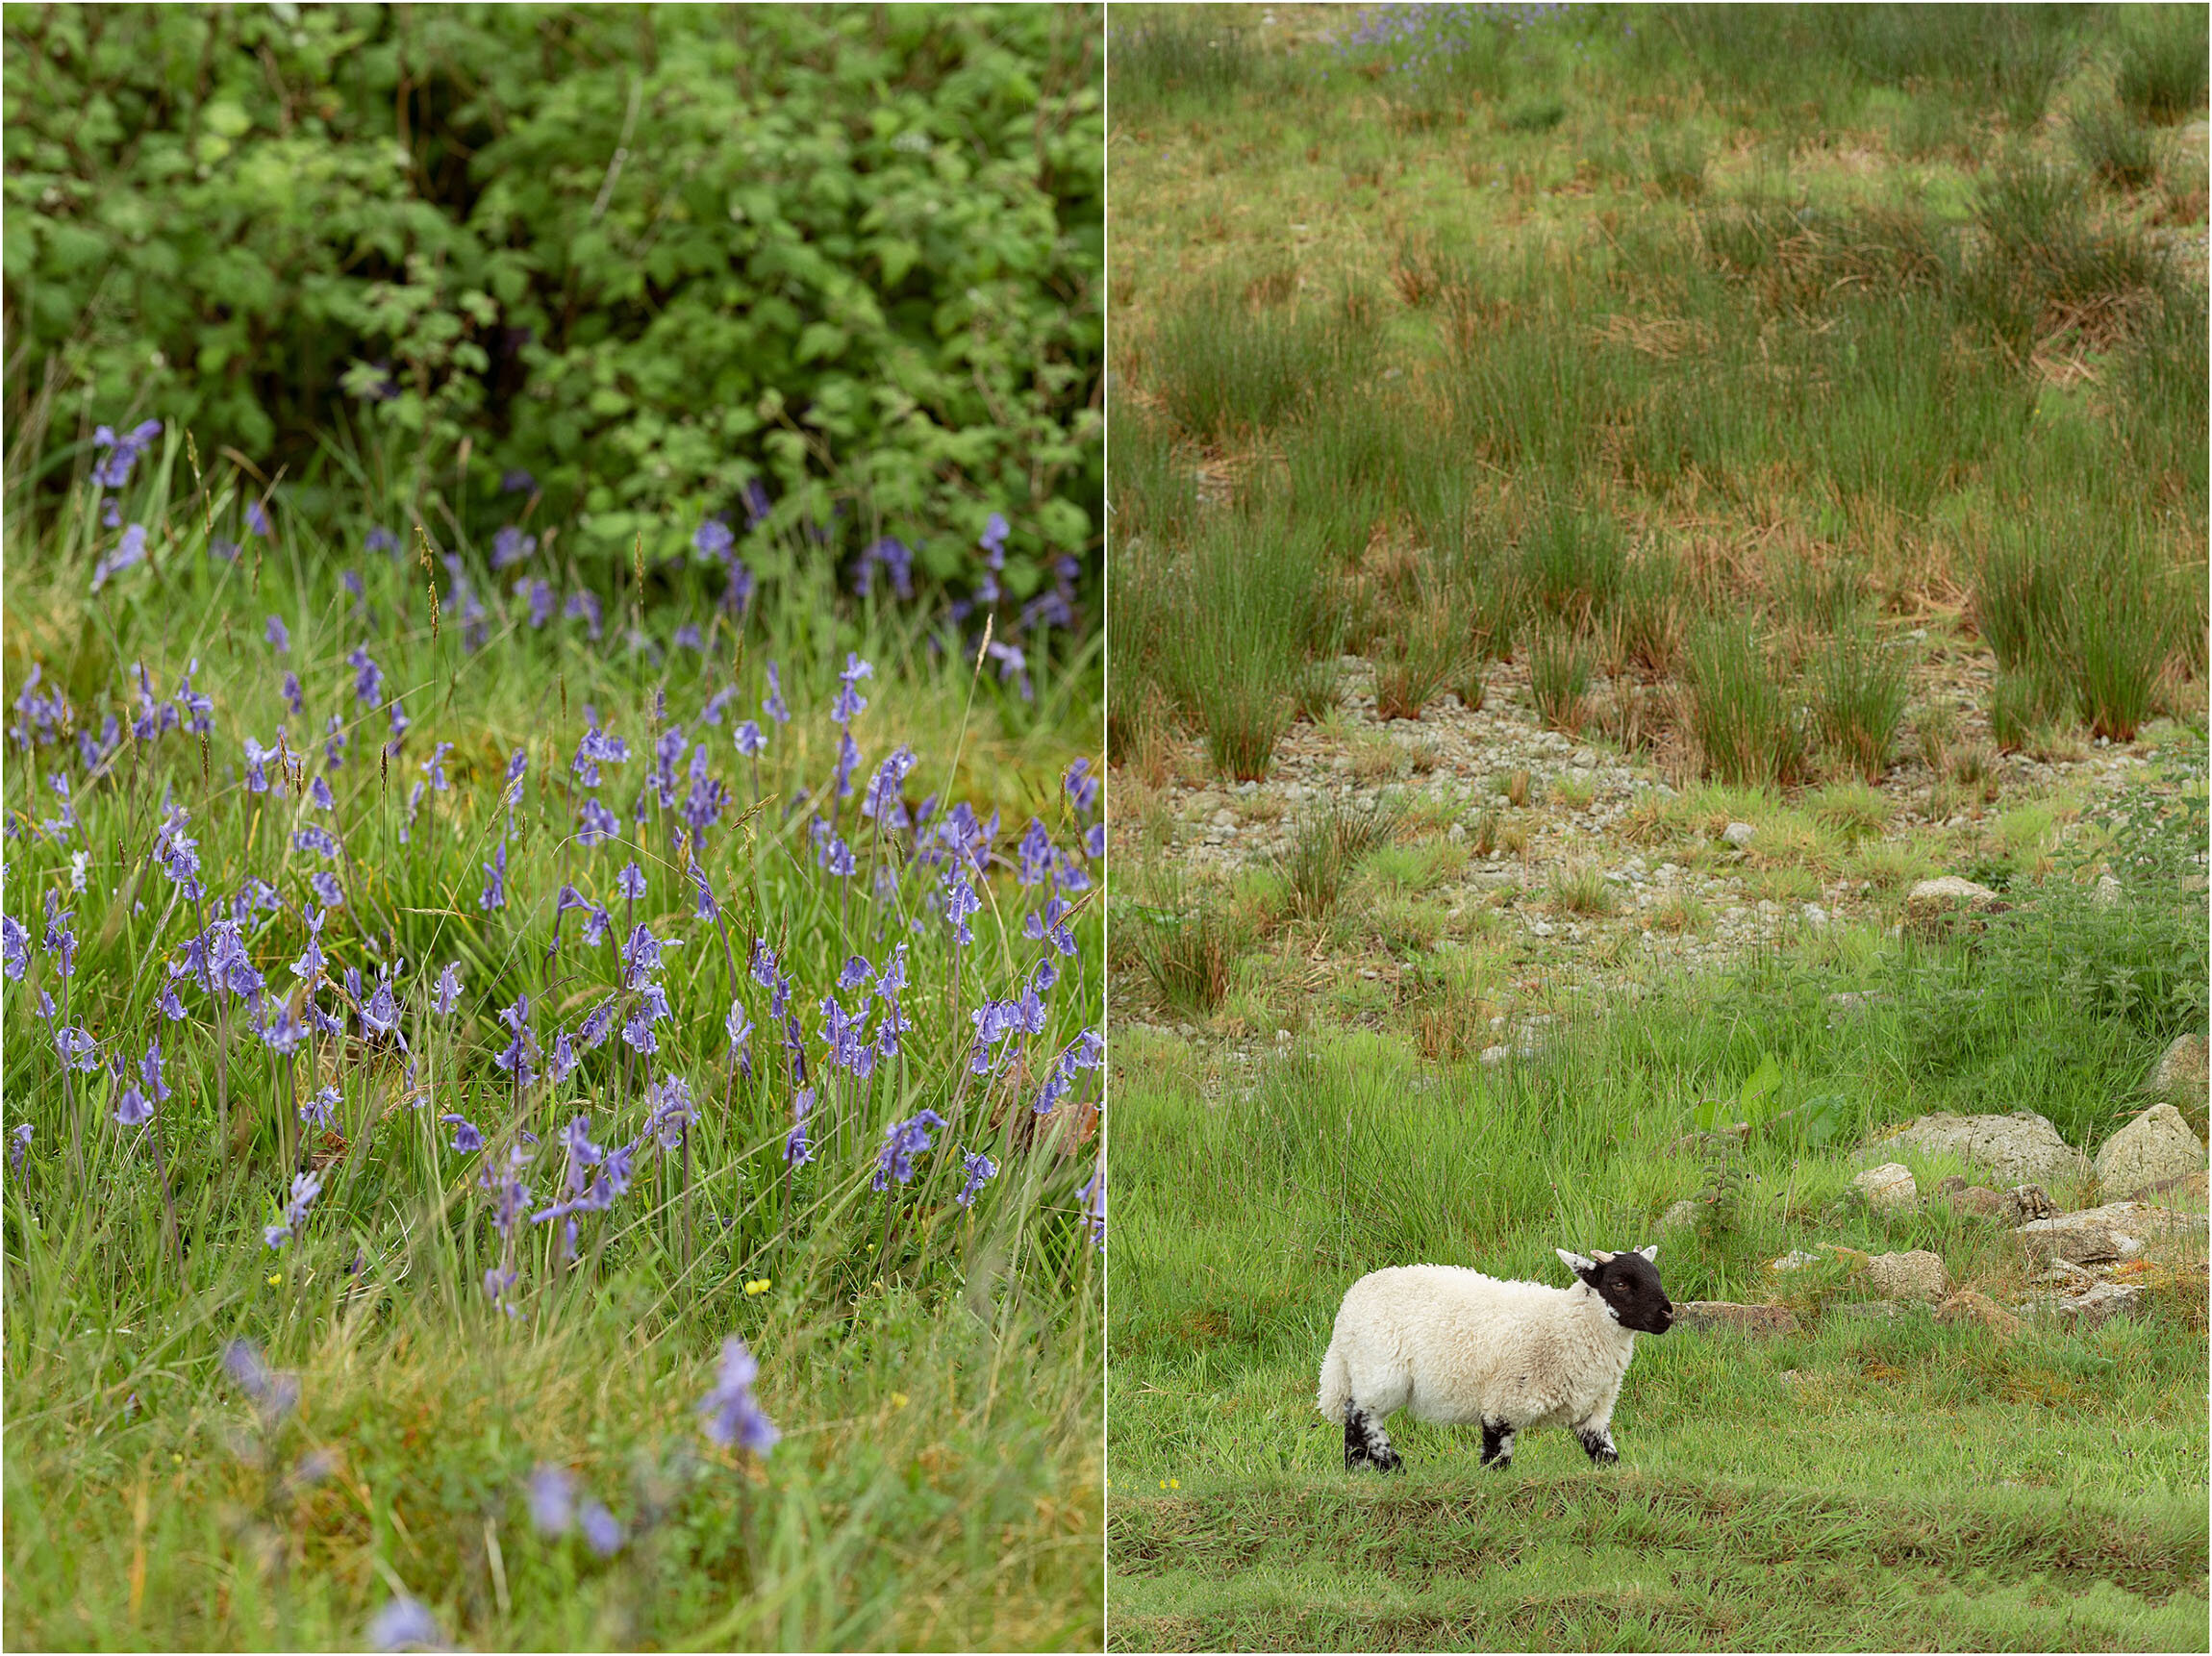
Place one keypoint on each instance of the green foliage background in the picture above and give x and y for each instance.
(648, 253)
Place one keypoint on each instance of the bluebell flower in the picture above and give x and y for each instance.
(893, 556)
(713, 538)
(14, 948)
(596, 824)
(733, 1415)
(902, 1141)
(295, 697)
(602, 1531)
(494, 893)
(122, 452)
(433, 767)
(257, 518)
(631, 881)
(511, 546)
(405, 1623)
(516, 481)
(322, 1109)
(129, 550)
(993, 540)
(757, 503)
(448, 989)
(465, 1138)
(748, 738)
(585, 606)
(275, 1394)
(367, 676)
(381, 540)
(979, 1169)
(772, 704)
(305, 1188)
(552, 1493)
(327, 889)
(797, 1152)
(20, 1141)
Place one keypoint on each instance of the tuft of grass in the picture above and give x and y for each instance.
(1329, 844)
(1190, 950)
(1851, 809)
(1428, 649)
(2112, 146)
(1559, 678)
(1573, 563)
(1223, 369)
(1580, 890)
(2161, 67)
(1747, 734)
(1171, 59)
(1651, 618)
(1859, 700)
(2024, 703)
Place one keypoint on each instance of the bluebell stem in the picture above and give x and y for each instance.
(494, 893)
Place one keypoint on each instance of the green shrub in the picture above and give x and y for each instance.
(649, 258)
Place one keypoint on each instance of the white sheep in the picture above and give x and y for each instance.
(1459, 1347)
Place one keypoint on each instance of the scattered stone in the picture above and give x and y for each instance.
(1888, 1188)
(1493, 1055)
(1934, 907)
(2019, 1146)
(2098, 1304)
(1949, 1183)
(1682, 1212)
(2156, 1146)
(2181, 1074)
(2066, 1275)
(1796, 1259)
(1971, 1307)
(1848, 1003)
(1982, 1202)
(2028, 1202)
(1915, 1275)
(1753, 1319)
(2117, 1230)
(1739, 834)
(2106, 892)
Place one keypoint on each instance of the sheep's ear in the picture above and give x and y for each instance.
(1574, 1261)
(1649, 1251)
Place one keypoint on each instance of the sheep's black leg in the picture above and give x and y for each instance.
(1496, 1443)
(1366, 1443)
(1597, 1444)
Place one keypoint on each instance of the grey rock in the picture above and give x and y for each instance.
(2016, 1147)
(1915, 1275)
(1739, 834)
(1934, 907)
(2154, 1147)
(2097, 1304)
(1682, 1212)
(2117, 1230)
(1888, 1188)
(2181, 1077)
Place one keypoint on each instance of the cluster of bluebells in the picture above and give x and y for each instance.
(1422, 41)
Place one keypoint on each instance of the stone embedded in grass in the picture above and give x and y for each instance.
(1933, 908)
(1739, 834)
(1971, 1307)
(2181, 1076)
(1682, 1212)
(2154, 1147)
(1981, 1202)
(2098, 1304)
(1888, 1188)
(1915, 1275)
(2020, 1146)
(2117, 1230)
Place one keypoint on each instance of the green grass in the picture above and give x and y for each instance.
(932, 1366)
(1823, 1490)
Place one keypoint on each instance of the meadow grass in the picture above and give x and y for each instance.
(1814, 303)
(800, 1137)
(1819, 1490)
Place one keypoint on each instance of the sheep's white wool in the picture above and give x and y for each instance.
(1459, 1347)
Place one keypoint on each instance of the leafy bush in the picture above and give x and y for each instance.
(652, 259)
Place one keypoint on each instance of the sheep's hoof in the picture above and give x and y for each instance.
(1496, 1444)
(1598, 1446)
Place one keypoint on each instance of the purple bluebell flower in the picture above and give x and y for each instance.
(283, 1032)
(602, 1530)
(552, 1492)
(902, 1141)
(511, 546)
(305, 1188)
(515, 1058)
(295, 697)
(77, 1048)
(980, 1170)
(19, 1142)
(596, 824)
(465, 1138)
(368, 677)
(257, 518)
(713, 538)
(671, 1112)
(733, 1415)
(707, 907)
(275, 1394)
(850, 704)
(960, 902)
(748, 738)
(797, 1152)
(585, 606)
(772, 704)
(597, 748)
(1092, 1196)
(314, 838)
(516, 481)
(739, 1026)
(892, 554)
(322, 1109)
(540, 597)
(856, 973)
(631, 881)
(129, 550)
(328, 892)
(381, 540)
(405, 1623)
(14, 948)
(131, 1109)
(494, 893)
(994, 541)
(110, 513)
(433, 767)
(448, 989)
(380, 1013)
(757, 503)
(122, 452)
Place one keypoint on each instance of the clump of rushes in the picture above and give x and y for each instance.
(2025, 702)
(1573, 563)
(1745, 731)
(2111, 147)
(1429, 649)
(1559, 678)
(1859, 700)
(1653, 617)
(1190, 950)
(1327, 844)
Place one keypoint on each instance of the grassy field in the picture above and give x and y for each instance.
(297, 1351)
(1543, 442)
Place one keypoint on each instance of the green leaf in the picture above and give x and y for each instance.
(1758, 1089)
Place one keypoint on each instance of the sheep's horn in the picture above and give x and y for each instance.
(1600, 1255)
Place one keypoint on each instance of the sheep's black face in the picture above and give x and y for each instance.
(1629, 1285)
